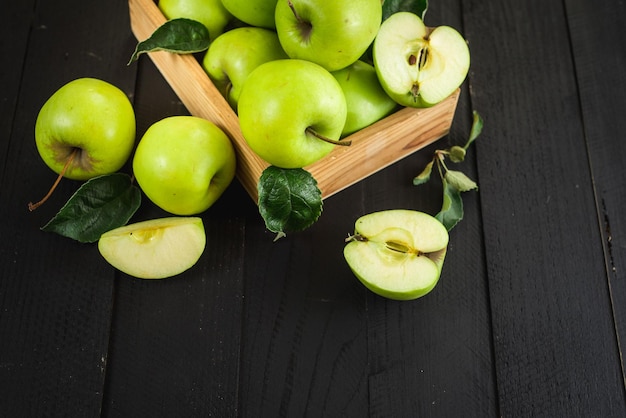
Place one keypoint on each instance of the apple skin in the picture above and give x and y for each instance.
(156, 248)
(228, 71)
(281, 101)
(367, 101)
(91, 116)
(211, 13)
(333, 34)
(253, 12)
(401, 41)
(184, 163)
(398, 253)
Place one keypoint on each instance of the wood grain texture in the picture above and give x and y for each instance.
(372, 149)
(599, 58)
(55, 294)
(553, 331)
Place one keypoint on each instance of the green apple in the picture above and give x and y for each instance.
(211, 13)
(155, 249)
(291, 112)
(253, 12)
(86, 129)
(234, 54)
(418, 67)
(366, 100)
(333, 34)
(184, 163)
(397, 253)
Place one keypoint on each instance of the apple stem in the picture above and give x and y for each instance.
(325, 139)
(32, 206)
(356, 237)
(293, 9)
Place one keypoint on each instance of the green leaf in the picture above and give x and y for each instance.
(181, 36)
(424, 176)
(289, 199)
(418, 7)
(460, 181)
(477, 128)
(452, 208)
(99, 205)
(457, 154)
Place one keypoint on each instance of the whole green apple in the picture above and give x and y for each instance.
(418, 67)
(397, 253)
(333, 34)
(229, 69)
(291, 112)
(184, 163)
(211, 13)
(366, 100)
(87, 128)
(253, 12)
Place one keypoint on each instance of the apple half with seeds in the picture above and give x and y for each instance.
(418, 67)
(397, 254)
(155, 249)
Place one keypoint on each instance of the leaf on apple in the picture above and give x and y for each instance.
(289, 199)
(418, 7)
(99, 205)
(181, 36)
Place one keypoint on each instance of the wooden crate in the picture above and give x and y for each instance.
(372, 149)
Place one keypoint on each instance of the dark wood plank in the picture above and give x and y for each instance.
(304, 350)
(55, 294)
(175, 342)
(597, 40)
(433, 356)
(13, 42)
(554, 338)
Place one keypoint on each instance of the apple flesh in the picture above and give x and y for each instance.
(333, 34)
(291, 112)
(86, 129)
(184, 163)
(228, 71)
(418, 67)
(366, 100)
(155, 249)
(397, 253)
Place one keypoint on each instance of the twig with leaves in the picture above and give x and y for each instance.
(454, 182)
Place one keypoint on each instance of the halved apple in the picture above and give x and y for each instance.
(418, 67)
(397, 253)
(155, 249)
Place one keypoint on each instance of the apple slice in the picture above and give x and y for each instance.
(155, 249)
(397, 253)
(418, 67)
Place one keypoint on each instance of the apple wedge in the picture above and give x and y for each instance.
(397, 253)
(418, 67)
(155, 249)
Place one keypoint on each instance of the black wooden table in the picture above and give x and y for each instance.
(527, 320)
